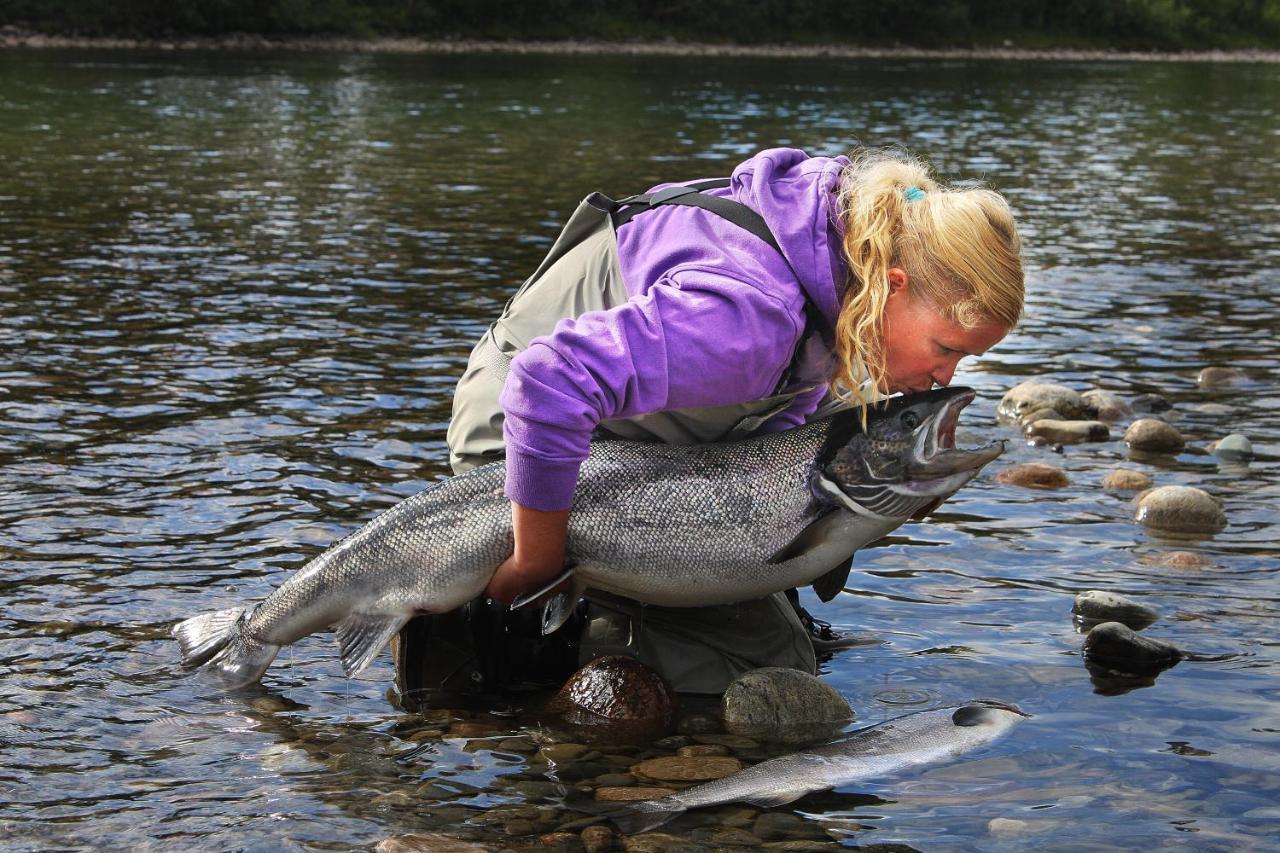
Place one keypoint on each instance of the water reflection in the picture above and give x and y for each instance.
(236, 291)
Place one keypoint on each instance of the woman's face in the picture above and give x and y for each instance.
(922, 345)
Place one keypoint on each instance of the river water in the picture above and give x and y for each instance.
(236, 291)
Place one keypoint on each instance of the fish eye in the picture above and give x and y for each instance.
(910, 420)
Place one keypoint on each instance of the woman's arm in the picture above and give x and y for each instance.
(539, 552)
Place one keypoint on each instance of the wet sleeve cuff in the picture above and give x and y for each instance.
(542, 484)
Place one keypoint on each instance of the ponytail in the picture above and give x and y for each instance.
(959, 247)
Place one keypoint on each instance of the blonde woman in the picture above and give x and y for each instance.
(708, 312)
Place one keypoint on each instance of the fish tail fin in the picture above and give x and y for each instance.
(201, 637)
(218, 643)
(644, 815)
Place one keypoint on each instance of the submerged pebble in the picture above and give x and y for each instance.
(596, 839)
(1219, 377)
(676, 768)
(1180, 560)
(1126, 480)
(628, 793)
(1151, 403)
(433, 841)
(1033, 475)
(1153, 436)
(1109, 406)
(1180, 510)
(1097, 605)
(783, 705)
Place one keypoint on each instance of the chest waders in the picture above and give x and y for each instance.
(698, 649)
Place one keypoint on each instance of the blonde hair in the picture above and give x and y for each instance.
(959, 248)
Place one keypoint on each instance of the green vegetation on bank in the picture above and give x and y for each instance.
(1123, 24)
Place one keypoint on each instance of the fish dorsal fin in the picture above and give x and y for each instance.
(813, 536)
(832, 583)
(362, 635)
(971, 715)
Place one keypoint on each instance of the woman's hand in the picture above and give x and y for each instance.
(538, 556)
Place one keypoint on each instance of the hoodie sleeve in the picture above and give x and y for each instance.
(696, 338)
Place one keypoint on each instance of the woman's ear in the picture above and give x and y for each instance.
(897, 280)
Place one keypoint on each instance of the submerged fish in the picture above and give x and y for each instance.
(672, 525)
(902, 742)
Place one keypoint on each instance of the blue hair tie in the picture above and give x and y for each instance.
(913, 193)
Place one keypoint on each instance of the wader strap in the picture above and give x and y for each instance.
(691, 195)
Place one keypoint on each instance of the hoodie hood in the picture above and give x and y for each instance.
(797, 196)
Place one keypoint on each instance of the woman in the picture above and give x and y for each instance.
(710, 312)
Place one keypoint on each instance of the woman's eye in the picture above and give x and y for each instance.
(910, 420)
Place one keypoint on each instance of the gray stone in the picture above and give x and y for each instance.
(1097, 605)
(1067, 432)
(1110, 407)
(432, 841)
(1028, 396)
(1119, 648)
(783, 705)
(1153, 436)
(1234, 447)
(1033, 475)
(1151, 403)
(1180, 510)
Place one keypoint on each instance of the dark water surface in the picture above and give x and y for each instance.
(236, 291)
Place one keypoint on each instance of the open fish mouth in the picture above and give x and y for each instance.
(935, 454)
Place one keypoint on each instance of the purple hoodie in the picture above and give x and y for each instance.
(713, 319)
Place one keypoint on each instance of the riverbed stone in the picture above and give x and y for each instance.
(1234, 447)
(1153, 436)
(1043, 413)
(1211, 378)
(783, 705)
(561, 753)
(734, 742)
(1180, 560)
(432, 842)
(1031, 395)
(1110, 407)
(785, 826)
(1180, 510)
(1120, 648)
(1096, 605)
(676, 768)
(1067, 432)
(1126, 480)
(699, 723)
(1033, 475)
(1151, 403)
(657, 842)
(618, 694)
(596, 839)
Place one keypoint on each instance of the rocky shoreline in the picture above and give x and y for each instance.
(11, 38)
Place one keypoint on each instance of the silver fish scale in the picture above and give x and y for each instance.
(643, 515)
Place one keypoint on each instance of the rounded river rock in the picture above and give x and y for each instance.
(678, 768)
(783, 705)
(1153, 436)
(1026, 397)
(1067, 432)
(1180, 510)
(1126, 480)
(1033, 475)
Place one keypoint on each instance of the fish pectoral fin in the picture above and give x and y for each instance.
(362, 635)
(813, 536)
(558, 610)
(832, 583)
